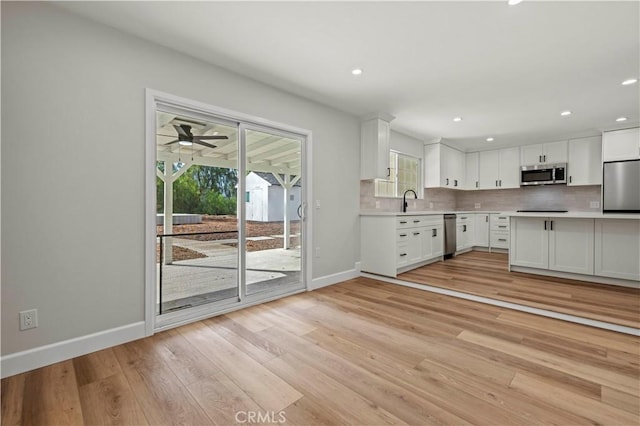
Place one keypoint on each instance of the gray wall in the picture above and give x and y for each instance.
(73, 167)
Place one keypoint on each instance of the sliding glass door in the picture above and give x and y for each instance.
(273, 210)
(230, 210)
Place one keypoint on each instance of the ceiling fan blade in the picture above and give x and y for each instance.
(183, 130)
(210, 137)
(208, 145)
(169, 143)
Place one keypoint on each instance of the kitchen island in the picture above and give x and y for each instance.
(596, 247)
(395, 242)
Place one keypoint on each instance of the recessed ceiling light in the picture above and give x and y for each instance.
(513, 2)
(565, 113)
(356, 71)
(621, 119)
(629, 81)
(457, 119)
(489, 139)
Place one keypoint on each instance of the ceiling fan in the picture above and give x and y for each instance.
(185, 137)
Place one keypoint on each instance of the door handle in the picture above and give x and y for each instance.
(416, 233)
(464, 228)
(447, 182)
(539, 158)
(496, 183)
(403, 235)
(500, 182)
(402, 222)
(545, 158)
(434, 232)
(476, 184)
(570, 179)
(403, 254)
(486, 218)
(545, 225)
(455, 182)
(551, 225)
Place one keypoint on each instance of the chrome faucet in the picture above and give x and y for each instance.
(404, 199)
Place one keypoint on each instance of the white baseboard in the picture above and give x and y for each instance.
(328, 280)
(41, 356)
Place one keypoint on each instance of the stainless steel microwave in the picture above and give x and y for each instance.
(543, 174)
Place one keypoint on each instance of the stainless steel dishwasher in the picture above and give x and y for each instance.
(449, 235)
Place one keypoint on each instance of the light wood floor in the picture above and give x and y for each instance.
(360, 352)
(487, 274)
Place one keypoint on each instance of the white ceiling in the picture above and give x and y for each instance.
(507, 70)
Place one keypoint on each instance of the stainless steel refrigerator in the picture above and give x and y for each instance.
(621, 187)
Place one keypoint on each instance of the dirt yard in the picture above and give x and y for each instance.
(227, 225)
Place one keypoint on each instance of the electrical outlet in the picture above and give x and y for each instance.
(594, 204)
(28, 319)
(377, 204)
(477, 205)
(317, 251)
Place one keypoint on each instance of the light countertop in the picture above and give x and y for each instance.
(574, 215)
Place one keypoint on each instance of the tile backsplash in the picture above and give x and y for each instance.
(556, 197)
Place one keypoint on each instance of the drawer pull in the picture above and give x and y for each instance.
(502, 239)
(502, 226)
(402, 222)
(463, 217)
(416, 233)
(502, 217)
(403, 235)
(434, 232)
(403, 254)
(416, 221)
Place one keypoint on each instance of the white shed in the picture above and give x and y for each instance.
(265, 198)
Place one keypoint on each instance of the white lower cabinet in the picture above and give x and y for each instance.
(464, 232)
(498, 231)
(617, 248)
(390, 244)
(556, 244)
(481, 230)
(529, 242)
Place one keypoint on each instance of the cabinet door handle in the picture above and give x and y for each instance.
(500, 182)
(463, 218)
(434, 232)
(545, 225)
(402, 222)
(502, 239)
(416, 233)
(455, 182)
(403, 254)
(545, 158)
(486, 218)
(416, 221)
(447, 182)
(388, 171)
(403, 235)
(502, 226)
(464, 228)
(539, 158)
(502, 217)
(570, 179)
(476, 184)
(551, 225)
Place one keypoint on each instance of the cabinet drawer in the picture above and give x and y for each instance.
(500, 239)
(402, 254)
(500, 226)
(404, 222)
(402, 235)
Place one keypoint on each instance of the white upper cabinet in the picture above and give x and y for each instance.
(374, 147)
(472, 180)
(545, 153)
(585, 161)
(621, 145)
(509, 170)
(444, 167)
(499, 169)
